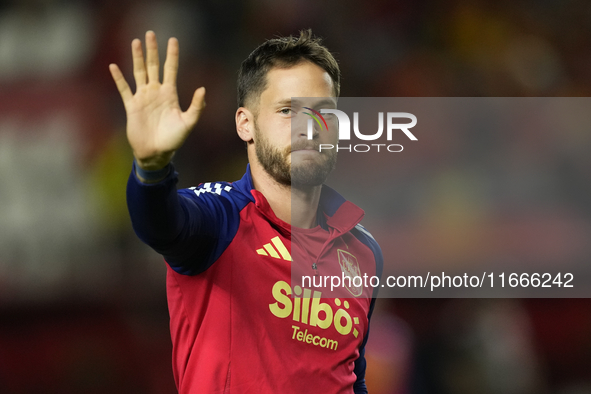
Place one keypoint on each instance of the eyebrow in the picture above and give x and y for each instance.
(290, 101)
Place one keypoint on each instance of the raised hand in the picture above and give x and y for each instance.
(156, 126)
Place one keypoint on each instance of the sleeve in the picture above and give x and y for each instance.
(364, 236)
(189, 231)
(359, 386)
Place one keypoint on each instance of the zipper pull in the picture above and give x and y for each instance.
(315, 268)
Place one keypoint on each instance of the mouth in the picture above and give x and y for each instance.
(305, 148)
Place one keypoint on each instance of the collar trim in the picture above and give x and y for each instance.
(334, 211)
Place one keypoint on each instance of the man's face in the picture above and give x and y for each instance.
(280, 137)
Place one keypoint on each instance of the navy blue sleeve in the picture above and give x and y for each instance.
(364, 236)
(190, 228)
(359, 386)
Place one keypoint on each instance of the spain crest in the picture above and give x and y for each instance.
(350, 267)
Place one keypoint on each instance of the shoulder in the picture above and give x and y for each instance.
(213, 215)
(222, 194)
(210, 187)
(363, 235)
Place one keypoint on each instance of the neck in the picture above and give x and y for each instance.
(294, 205)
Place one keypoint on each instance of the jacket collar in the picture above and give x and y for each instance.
(334, 211)
(245, 185)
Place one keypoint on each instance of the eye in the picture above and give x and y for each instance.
(285, 111)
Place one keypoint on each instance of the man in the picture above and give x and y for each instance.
(237, 324)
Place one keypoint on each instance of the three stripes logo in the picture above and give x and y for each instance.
(275, 249)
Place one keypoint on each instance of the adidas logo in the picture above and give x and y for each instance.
(269, 250)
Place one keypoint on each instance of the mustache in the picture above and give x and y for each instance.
(305, 144)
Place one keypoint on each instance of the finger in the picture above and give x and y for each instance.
(191, 115)
(171, 65)
(139, 67)
(152, 57)
(121, 83)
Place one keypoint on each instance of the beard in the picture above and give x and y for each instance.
(275, 162)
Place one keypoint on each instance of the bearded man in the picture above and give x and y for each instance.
(237, 323)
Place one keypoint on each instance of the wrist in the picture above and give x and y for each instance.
(154, 163)
(151, 175)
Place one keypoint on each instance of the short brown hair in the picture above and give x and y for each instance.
(283, 52)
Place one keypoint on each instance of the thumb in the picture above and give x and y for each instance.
(191, 115)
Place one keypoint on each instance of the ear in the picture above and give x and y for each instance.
(245, 124)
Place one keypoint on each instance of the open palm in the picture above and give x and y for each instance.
(156, 125)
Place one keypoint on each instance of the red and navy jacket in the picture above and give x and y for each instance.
(237, 325)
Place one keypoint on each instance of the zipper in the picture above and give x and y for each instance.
(328, 242)
(314, 265)
(315, 268)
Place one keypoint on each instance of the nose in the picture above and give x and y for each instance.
(312, 130)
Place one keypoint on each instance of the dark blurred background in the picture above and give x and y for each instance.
(82, 301)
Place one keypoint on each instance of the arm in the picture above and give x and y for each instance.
(186, 231)
(156, 128)
(359, 386)
(364, 236)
